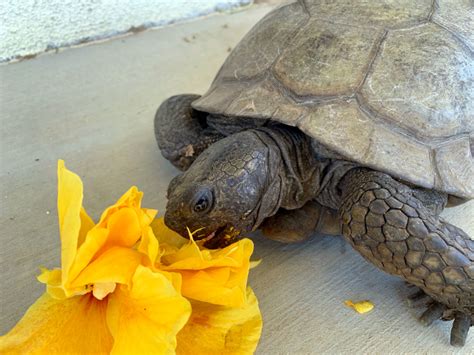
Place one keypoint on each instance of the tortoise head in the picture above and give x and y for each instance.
(227, 190)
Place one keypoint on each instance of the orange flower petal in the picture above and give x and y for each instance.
(131, 198)
(116, 264)
(124, 228)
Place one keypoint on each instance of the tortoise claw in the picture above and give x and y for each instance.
(461, 325)
(462, 322)
(435, 311)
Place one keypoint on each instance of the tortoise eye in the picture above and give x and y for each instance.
(203, 201)
(201, 205)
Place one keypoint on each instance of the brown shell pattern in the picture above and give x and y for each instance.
(387, 84)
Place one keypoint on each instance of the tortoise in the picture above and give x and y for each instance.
(341, 117)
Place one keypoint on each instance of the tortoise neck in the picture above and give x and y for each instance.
(294, 173)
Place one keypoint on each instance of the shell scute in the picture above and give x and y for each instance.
(422, 80)
(263, 43)
(332, 59)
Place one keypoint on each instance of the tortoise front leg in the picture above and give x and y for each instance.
(182, 132)
(385, 221)
(292, 226)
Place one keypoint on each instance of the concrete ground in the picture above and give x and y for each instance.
(93, 106)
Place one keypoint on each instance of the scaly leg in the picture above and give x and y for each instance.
(385, 221)
(290, 226)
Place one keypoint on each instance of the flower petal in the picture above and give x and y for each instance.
(148, 215)
(52, 279)
(69, 214)
(149, 246)
(114, 265)
(221, 330)
(131, 198)
(191, 257)
(214, 276)
(361, 306)
(216, 286)
(102, 289)
(126, 221)
(86, 225)
(75, 325)
(167, 237)
(93, 242)
(146, 318)
(124, 227)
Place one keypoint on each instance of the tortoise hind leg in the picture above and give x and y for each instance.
(385, 221)
(182, 132)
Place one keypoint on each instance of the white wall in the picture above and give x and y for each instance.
(33, 26)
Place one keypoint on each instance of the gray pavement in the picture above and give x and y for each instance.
(93, 106)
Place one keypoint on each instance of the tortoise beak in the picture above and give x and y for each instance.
(222, 237)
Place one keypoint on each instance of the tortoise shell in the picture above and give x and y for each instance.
(387, 84)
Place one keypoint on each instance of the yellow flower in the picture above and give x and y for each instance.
(89, 252)
(214, 276)
(120, 289)
(102, 299)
